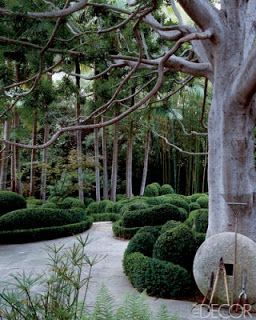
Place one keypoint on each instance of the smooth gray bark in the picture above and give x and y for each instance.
(4, 158)
(145, 163)
(105, 162)
(97, 164)
(129, 161)
(114, 163)
(33, 156)
(43, 190)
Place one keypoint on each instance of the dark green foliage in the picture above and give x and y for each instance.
(152, 190)
(10, 201)
(50, 205)
(33, 202)
(166, 189)
(87, 201)
(39, 218)
(38, 234)
(174, 199)
(154, 230)
(194, 206)
(199, 239)
(195, 196)
(203, 201)
(70, 202)
(100, 207)
(142, 242)
(177, 246)
(152, 216)
(121, 232)
(170, 225)
(105, 216)
(158, 278)
(198, 220)
(135, 205)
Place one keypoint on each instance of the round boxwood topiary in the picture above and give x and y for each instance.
(142, 242)
(39, 218)
(154, 230)
(49, 205)
(199, 238)
(152, 216)
(152, 190)
(166, 189)
(122, 232)
(203, 201)
(176, 245)
(70, 202)
(10, 201)
(158, 278)
(194, 206)
(198, 220)
(195, 196)
(170, 225)
(104, 206)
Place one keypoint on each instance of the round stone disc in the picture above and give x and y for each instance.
(207, 260)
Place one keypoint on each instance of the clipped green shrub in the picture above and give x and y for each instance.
(166, 189)
(158, 278)
(198, 220)
(195, 196)
(70, 202)
(174, 199)
(152, 190)
(135, 205)
(176, 245)
(199, 239)
(39, 218)
(100, 207)
(32, 202)
(87, 201)
(122, 232)
(194, 206)
(154, 230)
(142, 242)
(10, 201)
(170, 225)
(49, 205)
(38, 234)
(105, 216)
(203, 201)
(152, 216)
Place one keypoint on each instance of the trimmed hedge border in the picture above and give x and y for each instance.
(39, 234)
(159, 278)
(10, 201)
(153, 216)
(105, 216)
(121, 232)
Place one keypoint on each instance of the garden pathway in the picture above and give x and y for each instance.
(32, 257)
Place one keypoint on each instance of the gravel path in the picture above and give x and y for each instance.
(32, 257)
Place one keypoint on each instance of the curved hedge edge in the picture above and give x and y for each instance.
(122, 232)
(105, 217)
(39, 234)
(159, 278)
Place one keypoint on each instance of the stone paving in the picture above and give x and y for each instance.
(32, 257)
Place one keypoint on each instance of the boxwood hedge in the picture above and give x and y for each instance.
(152, 216)
(122, 232)
(198, 220)
(158, 278)
(38, 234)
(176, 245)
(39, 218)
(10, 201)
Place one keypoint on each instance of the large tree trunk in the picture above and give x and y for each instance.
(33, 156)
(129, 161)
(114, 163)
(4, 158)
(105, 161)
(145, 165)
(231, 168)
